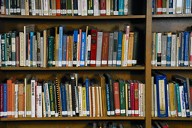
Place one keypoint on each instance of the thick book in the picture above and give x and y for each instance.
(93, 47)
(105, 47)
(122, 98)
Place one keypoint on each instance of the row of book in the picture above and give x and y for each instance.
(113, 125)
(160, 124)
(171, 7)
(71, 96)
(64, 7)
(172, 49)
(60, 47)
(171, 98)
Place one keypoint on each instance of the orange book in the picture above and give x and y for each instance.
(58, 7)
(13, 100)
(116, 98)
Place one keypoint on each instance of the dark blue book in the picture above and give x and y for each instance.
(186, 49)
(161, 89)
(168, 53)
(75, 38)
(64, 50)
(108, 100)
(87, 85)
(5, 100)
(63, 99)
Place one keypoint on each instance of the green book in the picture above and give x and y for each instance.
(122, 97)
(52, 102)
(50, 51)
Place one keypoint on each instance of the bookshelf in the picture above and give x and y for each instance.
(140, 17)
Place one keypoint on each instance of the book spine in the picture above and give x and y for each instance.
(186, 49)
(115, 7)
(168, 54)
(75, 39)
(93, 47)
(16, 113)
(121, 7)
(96, 11)
(75, 7)
(99, 48)
(105, 47)
(126, 7)
(69, 7)
(110, 53)
(90, 5)
(108, 99)
(122, 98)
(116, 98)
(103, 7)
(83, 49)
(5, 100)
(58, 7)
(87, 97)
(60, 45)
(33, 86)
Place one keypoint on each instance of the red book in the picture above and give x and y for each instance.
(103, 7)
(116, 98)
(132, 91)
(9, 98)
(93, 47)
(136, 91)
(159, 7)
(105, 47)
(58, 7)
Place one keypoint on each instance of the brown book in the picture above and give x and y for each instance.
(105, 47)
(130, 48)
(116, 98)
(21, 99)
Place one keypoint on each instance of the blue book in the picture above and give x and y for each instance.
(64, 50)
(186, 49)
(181, 51)
(153, 6)
(162, 98)
(87, 84)
(187, 6)
(183, 82)
(75, 39)
(60, 45)
(83, 49)
(5, 100)
(121, 7)
(178, 99)
(108, 100)
(31, 48)
(119, 48)
(63, 99)
(168, 53)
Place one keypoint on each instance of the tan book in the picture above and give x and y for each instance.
(130, 49)
(21, 100)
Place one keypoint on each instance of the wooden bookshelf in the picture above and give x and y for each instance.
(141, 18)
(74, 118)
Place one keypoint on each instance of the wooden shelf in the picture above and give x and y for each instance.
(172, 16)
(72, 118)
(171, 68)
(173, 118)
(72, 68)
(73, 17)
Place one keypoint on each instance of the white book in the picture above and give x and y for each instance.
(155, 94)
(173, 49)
(96, 8)
(93, 100)
(88, 50)
(16, 112)
(179, 7)
(80, 101)
(126, 7)
(13, 49)
(90, 101)
(33, 84)
(182, 101)
(79, 7)
(46, 7)
(84, 7)
(39, 106)
(33, 7)
(22, 49)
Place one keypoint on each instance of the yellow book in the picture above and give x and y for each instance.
(172, 99)
(84, 101)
